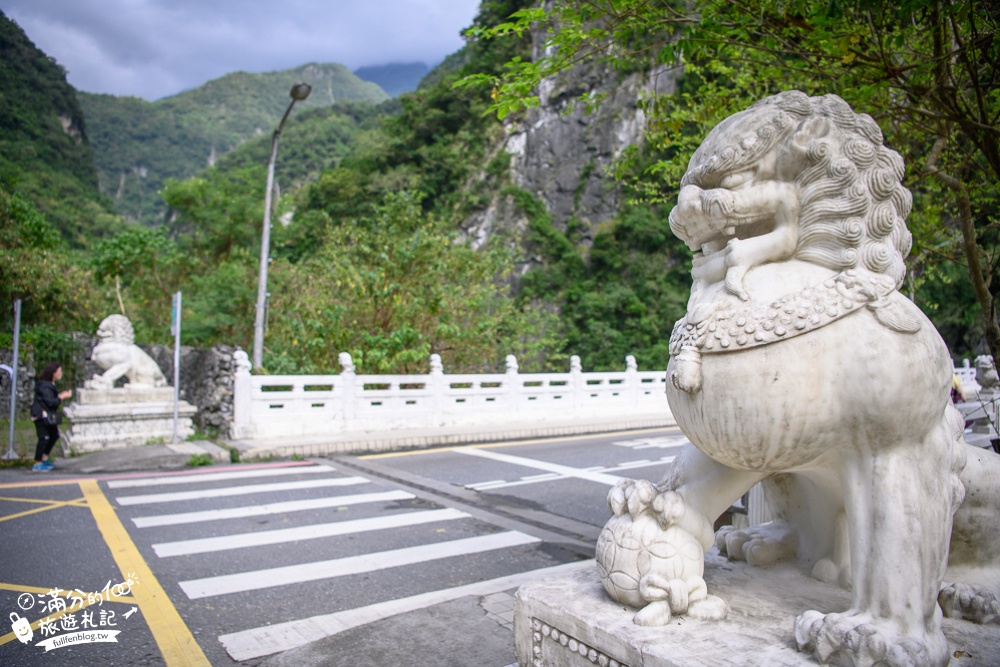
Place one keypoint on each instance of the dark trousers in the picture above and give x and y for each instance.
(47, 436)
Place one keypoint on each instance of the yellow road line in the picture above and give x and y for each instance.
(21, 588)
(175, 640)
(48, 482)
(79, 502)
(514, 443)
(42, 501)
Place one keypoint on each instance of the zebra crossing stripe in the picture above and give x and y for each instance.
(280, 637)
(566, 471)
(262, 538)
(177, 496)
(339, 567)
(273, 508)
(216, 476)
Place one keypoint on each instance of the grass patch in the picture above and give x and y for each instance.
(198, 460)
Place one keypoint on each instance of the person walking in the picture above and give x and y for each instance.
(45, 413)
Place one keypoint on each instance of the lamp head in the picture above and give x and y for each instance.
(300, 91)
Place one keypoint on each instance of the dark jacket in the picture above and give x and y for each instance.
(47, 399)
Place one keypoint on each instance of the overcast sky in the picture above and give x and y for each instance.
(157, 48)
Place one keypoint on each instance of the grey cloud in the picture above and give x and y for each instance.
(155, 48)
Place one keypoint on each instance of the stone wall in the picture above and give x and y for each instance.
(206, 380)
(25, 384)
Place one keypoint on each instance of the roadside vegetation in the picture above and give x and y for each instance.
(367, 253)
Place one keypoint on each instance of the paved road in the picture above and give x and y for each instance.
(393, 559)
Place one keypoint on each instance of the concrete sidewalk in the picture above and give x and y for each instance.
(178, 456)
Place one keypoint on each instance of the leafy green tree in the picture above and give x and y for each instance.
(217, 213)
(143, 263)
(925, 69)
(219, 302)
(622, 296)
(392, 289)
(37, 267)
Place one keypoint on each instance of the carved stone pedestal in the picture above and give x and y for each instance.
(112, 418)
(569, 621)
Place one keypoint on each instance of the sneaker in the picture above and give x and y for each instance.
(40, 467)
(49, 465)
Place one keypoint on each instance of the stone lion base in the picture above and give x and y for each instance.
(569, 621)
(114, 418)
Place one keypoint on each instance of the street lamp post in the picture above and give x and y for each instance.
(300, 91)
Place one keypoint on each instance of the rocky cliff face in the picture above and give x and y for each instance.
(566, 159)
(564, 156)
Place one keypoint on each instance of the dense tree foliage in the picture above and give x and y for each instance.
(57, 294)
(393, 288)
(44, 153)
(925, 69)
(368, 254)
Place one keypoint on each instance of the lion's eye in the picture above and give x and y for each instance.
(733, 181)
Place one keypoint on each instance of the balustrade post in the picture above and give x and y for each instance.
(242, 397)
(347, 381)
(632, 380)
(512, 387)
(437, 385)
(577, 385)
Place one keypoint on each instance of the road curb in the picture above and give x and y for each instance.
(366, 443)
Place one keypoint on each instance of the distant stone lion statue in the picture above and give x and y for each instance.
(119, 356)
(798, 362)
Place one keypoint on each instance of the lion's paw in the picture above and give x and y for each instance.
(969, 602)
(860, 641)
(827, 571)
(633, 496)
(653, 614)
(711, 608)
(759, 546)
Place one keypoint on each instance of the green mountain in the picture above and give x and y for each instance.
(394, 78)
(44, 152)
(138, 145)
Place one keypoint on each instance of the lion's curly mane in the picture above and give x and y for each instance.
(853, 203)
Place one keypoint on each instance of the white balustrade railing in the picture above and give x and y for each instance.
(270, 406)
(314, 405)
(967, 374)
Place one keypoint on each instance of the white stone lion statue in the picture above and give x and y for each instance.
(119, 356)
(798, 362)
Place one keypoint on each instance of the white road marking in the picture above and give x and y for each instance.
(237, 491)
(339, 567)
(551, 477)
(666, 441)
(280, 637)
(631, 465)
(217, 476)
(273, 508)
(316, 531)
(566, 471)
